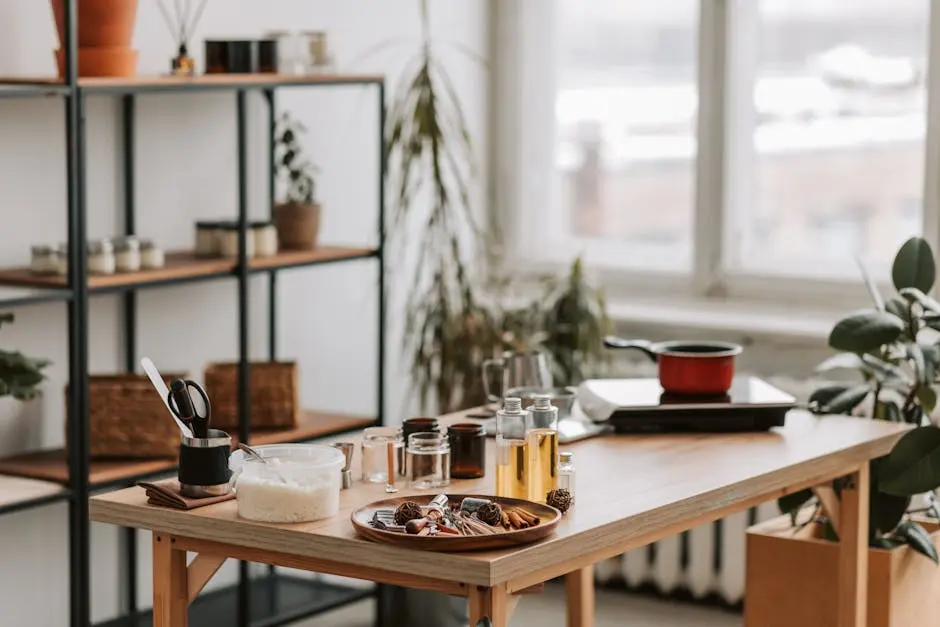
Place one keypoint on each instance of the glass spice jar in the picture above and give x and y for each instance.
(428, 460)
(42, 259)
(151, 255)
(265, 236)
(101, 257)
(127, 254)
(566, 473)
(228, 240)
(207, 238)
(467, 450)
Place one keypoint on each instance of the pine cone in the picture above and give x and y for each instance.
(409, 510)
(491, 514)
(560, 499)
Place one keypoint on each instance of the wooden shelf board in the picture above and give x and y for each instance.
(15, 490)
(184, 265)
(51, 465)
(205, 81)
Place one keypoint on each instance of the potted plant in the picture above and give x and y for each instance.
(20, 376)
(297, 218)
(105, 31)
(894, 351)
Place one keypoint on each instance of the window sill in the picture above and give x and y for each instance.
(788, 323)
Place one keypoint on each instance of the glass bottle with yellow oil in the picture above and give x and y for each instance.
(542, 444)
(511, 450)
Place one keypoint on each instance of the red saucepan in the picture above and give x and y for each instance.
(688, 367)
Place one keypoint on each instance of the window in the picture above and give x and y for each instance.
(729, 141)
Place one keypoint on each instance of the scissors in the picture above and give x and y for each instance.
(181, 404)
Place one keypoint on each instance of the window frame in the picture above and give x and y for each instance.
(522, 151)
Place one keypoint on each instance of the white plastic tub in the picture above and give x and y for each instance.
(308, 491)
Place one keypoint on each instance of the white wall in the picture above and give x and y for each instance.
(186, 166)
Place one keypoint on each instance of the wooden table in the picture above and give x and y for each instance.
(630, 491)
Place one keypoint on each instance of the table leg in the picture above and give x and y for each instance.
(170, 587)
(579, 597)
(492, 603)
(853, 550)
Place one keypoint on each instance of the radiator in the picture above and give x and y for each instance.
(705, 564)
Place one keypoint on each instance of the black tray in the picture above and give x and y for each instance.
(641, 405)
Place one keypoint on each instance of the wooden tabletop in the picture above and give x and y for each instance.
(630, 490)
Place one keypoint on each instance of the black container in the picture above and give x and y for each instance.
(467, 450)
(203, 469)
(232, 56)
(267, 56)
(418, 425)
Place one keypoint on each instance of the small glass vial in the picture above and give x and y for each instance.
(265, 236)
(566, 472)
(229, 241)
(511, 450)
(151, 255)
(467, 450)
(101, 258)
(43, 259)
(127, 254)
(542, 441)
(428, 460)
(376, 442)
(62, 260)
(207, 239)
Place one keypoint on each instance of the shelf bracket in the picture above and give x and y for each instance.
(200, 571)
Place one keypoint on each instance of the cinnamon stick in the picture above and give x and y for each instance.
(516, 521)
(505, 520)
(526, 516)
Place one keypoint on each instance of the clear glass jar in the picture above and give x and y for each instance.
(62, 260)
(512, 457)
(101, 258)
(151, 255)
(542, 442)
(428, 460)
(380, 451)
(265, 236)
(207, 239)
(229, 241)
(566, 472)
(318, 53)
(43, 259)
(127, 254)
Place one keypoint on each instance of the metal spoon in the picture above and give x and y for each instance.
(253, 453)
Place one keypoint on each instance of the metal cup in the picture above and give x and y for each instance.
(527, 369)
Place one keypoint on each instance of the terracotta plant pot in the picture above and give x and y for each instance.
(298, 226)
(792, 579)
(100, 22)
(102, 62)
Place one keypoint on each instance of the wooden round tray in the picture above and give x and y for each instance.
(362, 517)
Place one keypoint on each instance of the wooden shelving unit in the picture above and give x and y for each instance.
(17, 493)
(176, 83)
(49, 469)
(182, 266)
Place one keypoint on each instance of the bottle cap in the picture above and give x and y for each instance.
(543, 402)
(512, 404)
(565, 457)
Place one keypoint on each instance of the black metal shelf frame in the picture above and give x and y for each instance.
(77, 297)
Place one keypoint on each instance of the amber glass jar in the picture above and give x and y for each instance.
(467, 450)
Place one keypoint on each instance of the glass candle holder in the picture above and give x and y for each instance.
(380, 450)
(428, 460)
(467, 450)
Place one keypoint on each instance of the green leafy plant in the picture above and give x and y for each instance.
(20, 376)
(293, 168)
(895, 350)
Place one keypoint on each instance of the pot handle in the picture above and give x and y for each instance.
(646, 346)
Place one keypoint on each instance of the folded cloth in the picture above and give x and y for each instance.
(166, 493)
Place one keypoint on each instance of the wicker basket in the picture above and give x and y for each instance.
(127, 419)
(275, 399)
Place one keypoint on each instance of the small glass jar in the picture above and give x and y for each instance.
(43, 259)
(62, 260)
(127, 254)
(428, 460)
(229, 241)
(411, 426)
(467, 450)
(151, 255)
(380, 450)
(207, 239)
(265, 236)
(318, 54)
(101, 259)
(566, 473)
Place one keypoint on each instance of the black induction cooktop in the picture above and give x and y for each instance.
(641, 405)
